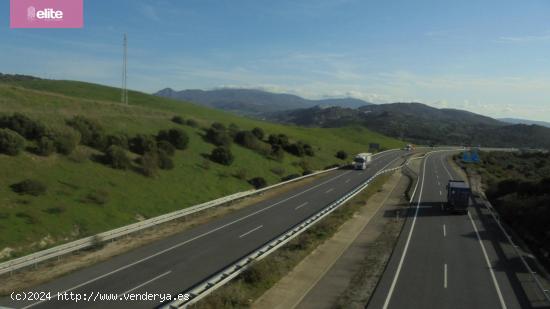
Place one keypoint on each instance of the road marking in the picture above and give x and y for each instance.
(144, 283)
(444, 231)
(495, 282)
(447, 170)
(302, 205)
(400, 265)
(251, 231)
(438, 183)
(445, 276)
(189, 240)
(348, 180)
(329, 190)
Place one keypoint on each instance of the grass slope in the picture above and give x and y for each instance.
(30, 223)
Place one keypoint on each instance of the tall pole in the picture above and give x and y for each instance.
(125, 71)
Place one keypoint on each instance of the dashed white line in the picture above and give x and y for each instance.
(251, 231)
(302, 205)
(444, 231)
(445, 276)
(440, 193)
(144, 283)
(329, 190)
(347, 180)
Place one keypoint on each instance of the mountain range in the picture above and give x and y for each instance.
(525, 121)
(252, 102)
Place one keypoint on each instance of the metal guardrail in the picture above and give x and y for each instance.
(87, 242)
(217, 280)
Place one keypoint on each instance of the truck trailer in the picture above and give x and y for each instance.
(458, 196)
(362, 160)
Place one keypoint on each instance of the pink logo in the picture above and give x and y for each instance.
(46, 14)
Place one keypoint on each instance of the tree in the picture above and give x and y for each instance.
(342, 155)
(116, 157)
(218, 137)
(222, 155)
(45, 146)
(247, 139)
(11, 143)
(259, 133)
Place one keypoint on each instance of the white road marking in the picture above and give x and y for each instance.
(188, 241)
(348, 180)
(495, 282)
(400, 265)
(302, 205)
(440, 193)
(444, 231)
(447, 170)
(251, 231)
(329, 190)
(438, 183)
(445, 276)
(144, 283)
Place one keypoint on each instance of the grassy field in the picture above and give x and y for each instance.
(68, 211)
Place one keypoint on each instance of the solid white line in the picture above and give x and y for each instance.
(447, 170)
(251, 231)
(329, 190)
(144, 283)
(495, 282)
(302, 205)
(394, 282)
(190, 240)
(445, 276)
(444, 231)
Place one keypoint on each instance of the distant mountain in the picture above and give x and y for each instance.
(423, 124)
(525, 121)
(253, 102)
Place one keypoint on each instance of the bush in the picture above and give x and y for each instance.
(142, 144)
(279, 139)
(120, 140)
(178, 120)
(192, 123)
(29, 186)
(11, 143)
(342, 155)
(218, 126)
(296, 149)
(258, 182)
(164, 161)
(290, 177)
(233, 129)
(277, 152)
(166, 147)
(222, 155)
(149, 164)
(218, 137)
(247, 139)
(66, 141)
(45, 146)
(116, 157)
(309, 150)
(177, 137)
(278, 170)
(90, 131)
(259, 133)
(23, 125)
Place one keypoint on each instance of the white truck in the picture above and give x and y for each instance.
(362, 160)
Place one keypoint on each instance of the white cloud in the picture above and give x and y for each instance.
(149, 12)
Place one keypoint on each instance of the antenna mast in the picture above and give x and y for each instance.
(125, 72)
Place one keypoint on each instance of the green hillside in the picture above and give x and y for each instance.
(84, 196)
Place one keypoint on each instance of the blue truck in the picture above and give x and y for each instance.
(458, 196)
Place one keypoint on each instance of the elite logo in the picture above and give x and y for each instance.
(46, 14)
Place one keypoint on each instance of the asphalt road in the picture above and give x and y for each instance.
(176, 264)
(445, 260)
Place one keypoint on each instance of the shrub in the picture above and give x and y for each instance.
(279, 139)
(23, 125)
(258, 182)
(247, 139)
(98, 197)
(218, 137)
(192, 123)
(177, 137)
(45, 146)
(116, 157)
(309, 150)
(164, 161)
(65, 141)
(296, 149)
(233, 129)
(142, 144)
(278, 170)
(259, 133)
(166, 147)
(222, 155)
(218, 126)
(149, 164)
(290, 177)
(342, 155)
(120, 140)
(178, 120)
(11, 143)
(91, 132)
(29, 186)
(277, 152)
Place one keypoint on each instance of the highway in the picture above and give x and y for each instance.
(445, 260)
(177, 263)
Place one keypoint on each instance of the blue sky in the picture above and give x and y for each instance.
(489, 57)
